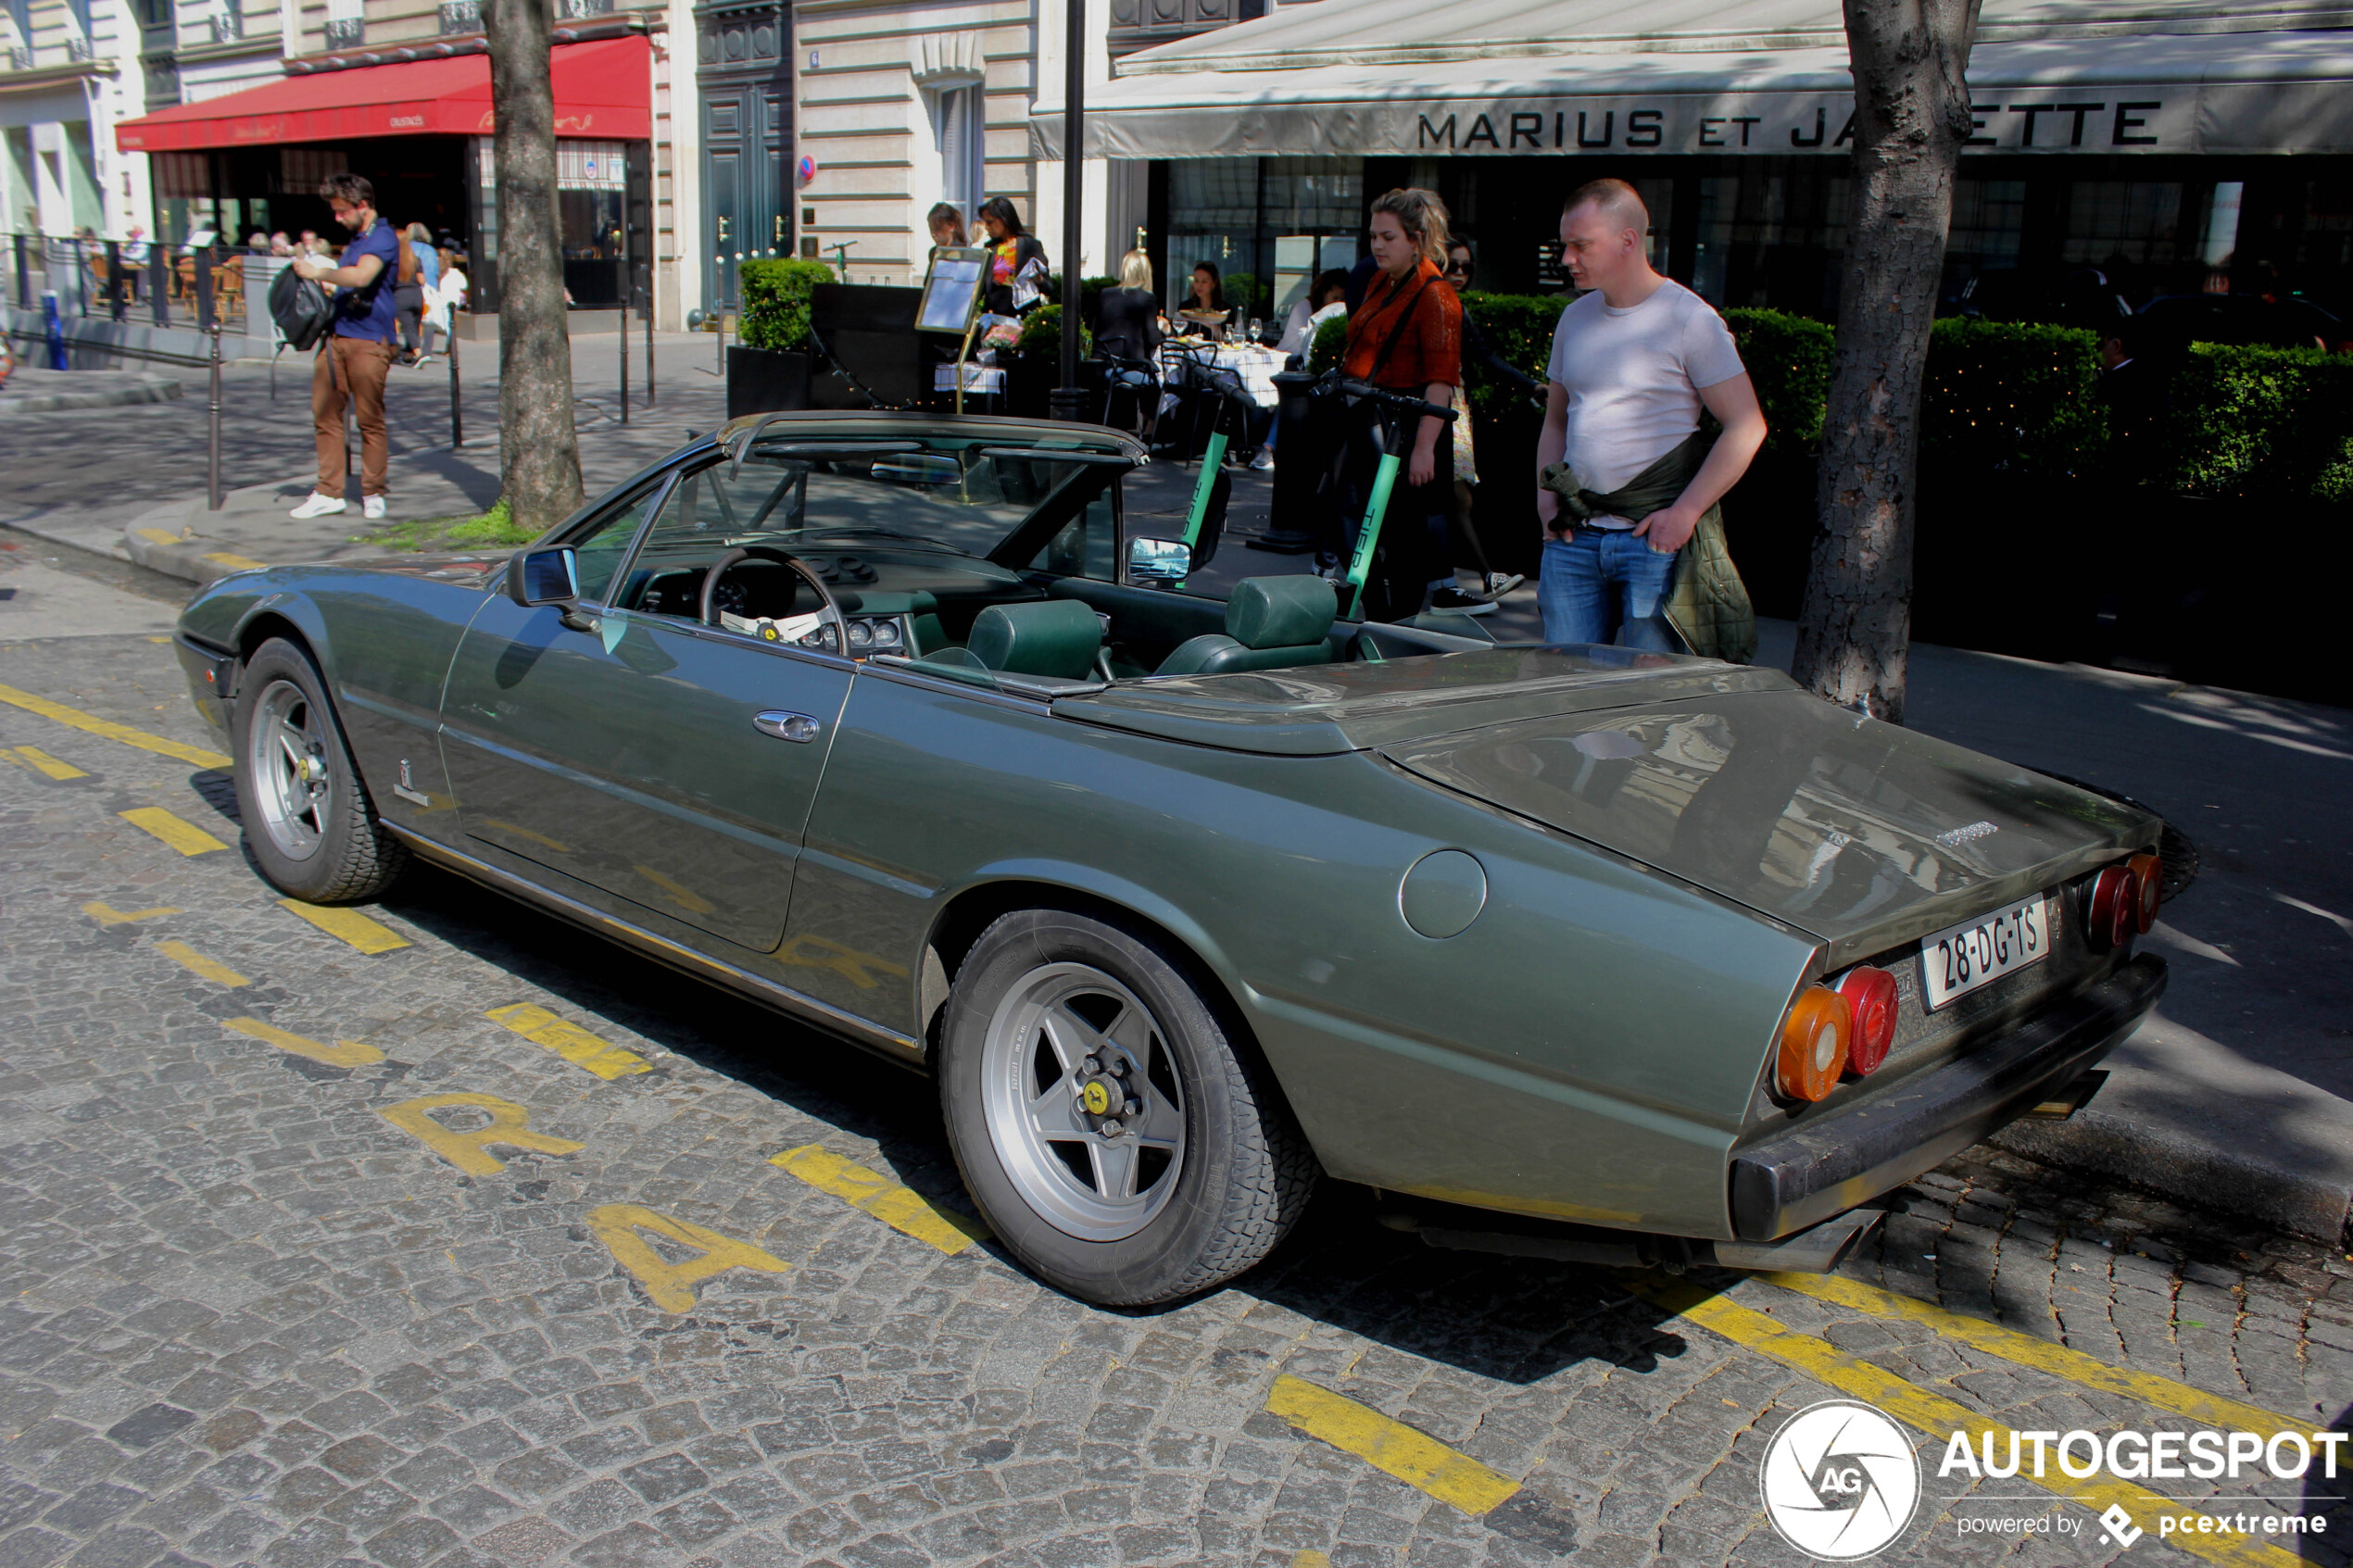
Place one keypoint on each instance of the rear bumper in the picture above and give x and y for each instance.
(1821, 1168)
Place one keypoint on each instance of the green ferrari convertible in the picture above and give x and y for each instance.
(1186, 899)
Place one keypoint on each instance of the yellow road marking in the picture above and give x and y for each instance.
(570, 1041)
(2027, 1352)
(1413, 1457)
(901, 1208)
(158, 536)
(239, 562)
(368, 935)
(671, 1285)
(343, 1053)
(184, 837)
(510, 1127)
(93, 725)
(196, 963)
(1312, 1560)
(41, 762)
(106, 914)
(1941, 1417)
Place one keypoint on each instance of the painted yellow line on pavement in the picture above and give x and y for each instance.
(570, 1041)
(508, 1127)
(2025, 1350)
(106, 914)
(1941, 1417)
(43, 763)
(240, 563)
(93, 725)
(183, 835)
(343, 1053)
(901, 1207)
(158, 536)
(350, 925)
(196, 963)
(1414, 1458)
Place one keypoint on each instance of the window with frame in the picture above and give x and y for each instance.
(957, 131)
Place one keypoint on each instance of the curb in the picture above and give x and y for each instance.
(163, 541)
(2194, 1123)
(151, 389)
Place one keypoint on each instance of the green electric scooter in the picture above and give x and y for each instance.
(1394, 407)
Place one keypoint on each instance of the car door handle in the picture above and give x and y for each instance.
(787, 726)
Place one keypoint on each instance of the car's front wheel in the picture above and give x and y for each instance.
(1119, 1141)
(307, 819)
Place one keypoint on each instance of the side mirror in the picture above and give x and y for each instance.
(542, 577)
(1167, 560)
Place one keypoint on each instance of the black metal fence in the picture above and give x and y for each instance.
(124, 281)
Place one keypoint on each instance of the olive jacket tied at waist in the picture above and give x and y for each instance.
(1706, 602)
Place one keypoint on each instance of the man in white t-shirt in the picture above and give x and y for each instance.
(1634, 360)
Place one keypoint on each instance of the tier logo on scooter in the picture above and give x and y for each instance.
(1840, 1481)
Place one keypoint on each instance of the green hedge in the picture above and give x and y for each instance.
(775, 296)
(1788, 360)
(2261, 422)
(1041, 334)
(2012, 399)
(1331, 341)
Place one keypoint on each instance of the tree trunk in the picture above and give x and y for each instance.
(538, 449)
(1911, 115)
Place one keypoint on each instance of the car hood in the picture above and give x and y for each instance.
(472, 567)
(1862, 834)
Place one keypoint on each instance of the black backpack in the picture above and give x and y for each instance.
(301, 308)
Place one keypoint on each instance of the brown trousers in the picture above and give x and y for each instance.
(354, 366)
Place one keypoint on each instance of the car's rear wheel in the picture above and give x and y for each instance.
(308, 822)
(1114, 1134)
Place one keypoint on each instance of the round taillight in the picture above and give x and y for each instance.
(1871, 993)
(1814, 1036)
(2116, 897)
(2148, 873)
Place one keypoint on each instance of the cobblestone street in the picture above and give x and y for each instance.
(441, 1233)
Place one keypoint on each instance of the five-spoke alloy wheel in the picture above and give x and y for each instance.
(308, 822)
(1117, 1133)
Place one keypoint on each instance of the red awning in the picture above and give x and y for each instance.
(604, 89)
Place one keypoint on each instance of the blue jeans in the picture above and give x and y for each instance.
(1603, 586)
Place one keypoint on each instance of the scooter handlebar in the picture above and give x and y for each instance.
(1337, 385)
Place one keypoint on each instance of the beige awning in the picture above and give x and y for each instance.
(2058, 78)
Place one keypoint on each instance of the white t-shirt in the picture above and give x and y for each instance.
(1633, 379)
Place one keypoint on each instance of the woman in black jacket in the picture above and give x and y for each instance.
(1012, 249)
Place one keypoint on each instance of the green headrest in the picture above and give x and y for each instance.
(1280, 613)
(1056, 637)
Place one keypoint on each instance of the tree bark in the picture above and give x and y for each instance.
(1911, 117)
(538, 448)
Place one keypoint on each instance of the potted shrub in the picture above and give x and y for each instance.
(768, 369)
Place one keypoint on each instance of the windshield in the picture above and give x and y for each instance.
(961, 493)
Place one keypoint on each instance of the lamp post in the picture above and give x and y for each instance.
(1068, 402)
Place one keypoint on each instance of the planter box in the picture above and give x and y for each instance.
(765, 381)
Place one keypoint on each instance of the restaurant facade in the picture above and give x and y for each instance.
(2171, 146)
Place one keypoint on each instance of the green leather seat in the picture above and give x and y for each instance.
(1058, 638)
(1271, 623)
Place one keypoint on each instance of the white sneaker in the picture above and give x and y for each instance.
(372, 506)
(1502, 583)
(316, 504)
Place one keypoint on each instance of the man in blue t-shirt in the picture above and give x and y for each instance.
(358, 351)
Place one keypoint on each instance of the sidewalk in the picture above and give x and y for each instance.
(2237, 1096)
(31, 390)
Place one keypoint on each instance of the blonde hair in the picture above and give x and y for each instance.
(1135, 271)
(1423, 216)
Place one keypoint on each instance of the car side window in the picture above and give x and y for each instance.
(710, 508)
(1089, 545)
(600, 549)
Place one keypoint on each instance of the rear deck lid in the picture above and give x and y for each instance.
(1863, 834)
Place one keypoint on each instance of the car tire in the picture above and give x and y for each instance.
(309, 825)
(1032, 994)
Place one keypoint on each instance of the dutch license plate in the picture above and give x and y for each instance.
(1981, 951)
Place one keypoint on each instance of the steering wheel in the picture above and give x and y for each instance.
(829, 614)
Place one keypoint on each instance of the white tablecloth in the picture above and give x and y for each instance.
(1256, 366)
